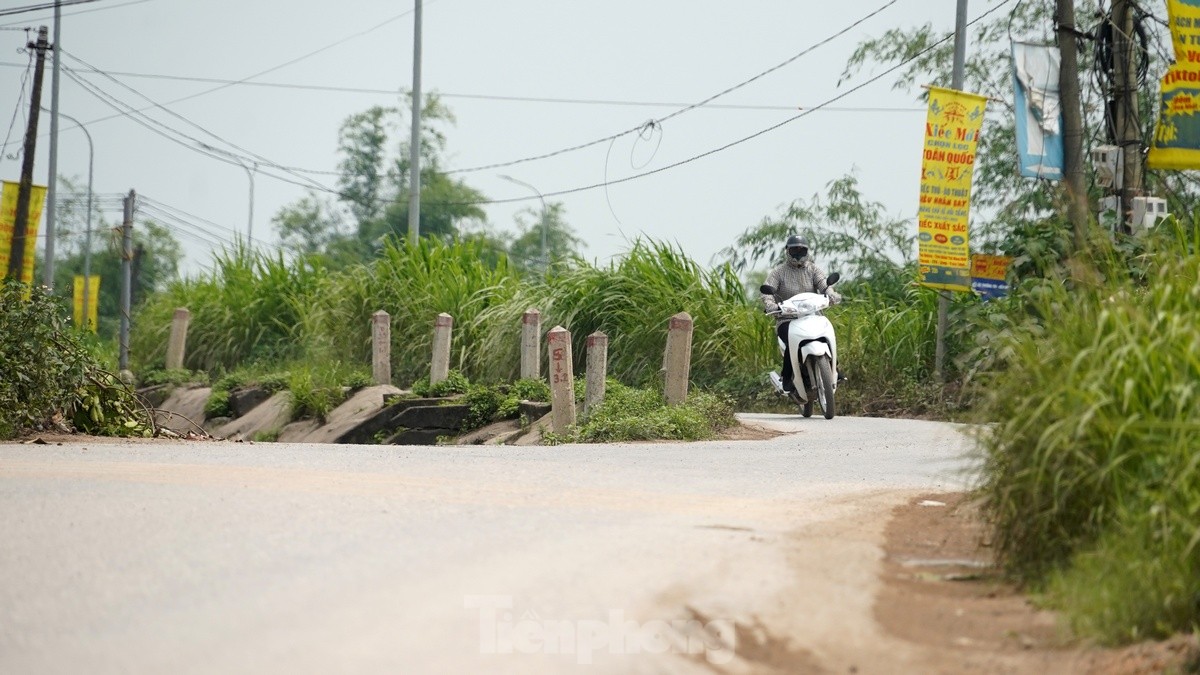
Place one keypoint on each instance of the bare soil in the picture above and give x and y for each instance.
(943, 592)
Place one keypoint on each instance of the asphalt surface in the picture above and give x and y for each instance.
(736, 556)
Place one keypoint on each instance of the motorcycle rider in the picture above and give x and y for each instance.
(798, 274)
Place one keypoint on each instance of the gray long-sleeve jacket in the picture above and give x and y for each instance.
(794, 277)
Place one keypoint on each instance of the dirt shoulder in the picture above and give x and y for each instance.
(942, 593)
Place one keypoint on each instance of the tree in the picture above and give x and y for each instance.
(374, 188)
(846, 232)
(525, 252)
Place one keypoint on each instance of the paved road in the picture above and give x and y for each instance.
(746, 556)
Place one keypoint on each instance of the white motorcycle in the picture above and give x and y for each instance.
(812, 348)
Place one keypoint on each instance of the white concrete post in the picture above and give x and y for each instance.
(678, 358)
(531, 345)
(381, 347)
(442, 328)
(177, 345)
(597, 370)
(562, 381)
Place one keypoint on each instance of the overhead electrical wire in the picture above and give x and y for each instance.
(495, 97)
(744, 139)
(657, 122)
(247, 153)
(43, 6)
(10, 26)
(17, 110)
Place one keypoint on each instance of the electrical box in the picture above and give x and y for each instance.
(1109, 165)
(1146, 212)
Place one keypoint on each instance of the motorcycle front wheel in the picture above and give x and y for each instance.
(824, 373)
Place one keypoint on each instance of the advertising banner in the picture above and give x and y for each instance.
(989, 275)
(951, 136)
(93, 301)
(1176, 143)
(8, 217)
(1038, 110)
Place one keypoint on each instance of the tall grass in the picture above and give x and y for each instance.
(1091, 468)
(631, 301)
(250, 307)
(413, 285)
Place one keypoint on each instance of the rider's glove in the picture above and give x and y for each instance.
(771, 307)
(834, 297)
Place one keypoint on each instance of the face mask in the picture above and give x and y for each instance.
(797, 253)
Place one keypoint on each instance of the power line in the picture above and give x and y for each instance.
(756, 134)
(493, 97)
(248, 153)
(10, 26)
(659, 121)
(42, 6)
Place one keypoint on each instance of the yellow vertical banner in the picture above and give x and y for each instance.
(951, 136)
(93, 302)
(1176, 143)
(8, 219)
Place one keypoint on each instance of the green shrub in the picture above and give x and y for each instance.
(454, 384)
(629, 414)
(217, 405)
(47, 372)
(177, 376)
(1091, 471)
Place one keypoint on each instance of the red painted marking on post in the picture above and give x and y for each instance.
(680, 324)
(530, 317)
(443, 320)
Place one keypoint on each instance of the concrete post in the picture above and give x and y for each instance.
(442, 328)
(597, 370)
(381, 347)
(678, 361)
(531, 345)
(562, 380)
(177, 346)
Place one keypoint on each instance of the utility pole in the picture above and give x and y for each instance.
(126, 281)
(1126, 117)
(414, 151)
(16, 259)
(52, 183)
(956, 83)
(1068, 87)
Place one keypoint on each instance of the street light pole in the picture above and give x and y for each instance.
(250, 222)
(545, 222)
(249, 174)
(87, 233)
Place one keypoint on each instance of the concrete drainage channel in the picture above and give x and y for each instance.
(372, 415)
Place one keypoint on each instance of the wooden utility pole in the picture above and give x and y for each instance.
(1126, 118)
(16, 256)
(1072, 124)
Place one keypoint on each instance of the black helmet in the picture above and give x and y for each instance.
(796, 247)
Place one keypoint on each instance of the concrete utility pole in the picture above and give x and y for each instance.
(956, 83)
(16, 256)
(1126, 116)
(126, 281)
(1068, 87)
(414, 151)
(52, 182)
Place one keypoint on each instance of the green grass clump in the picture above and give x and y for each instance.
(455, 384)
(630, 414)
(317, 390)
(1091, 472)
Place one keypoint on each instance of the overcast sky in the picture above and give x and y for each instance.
(496, 64)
